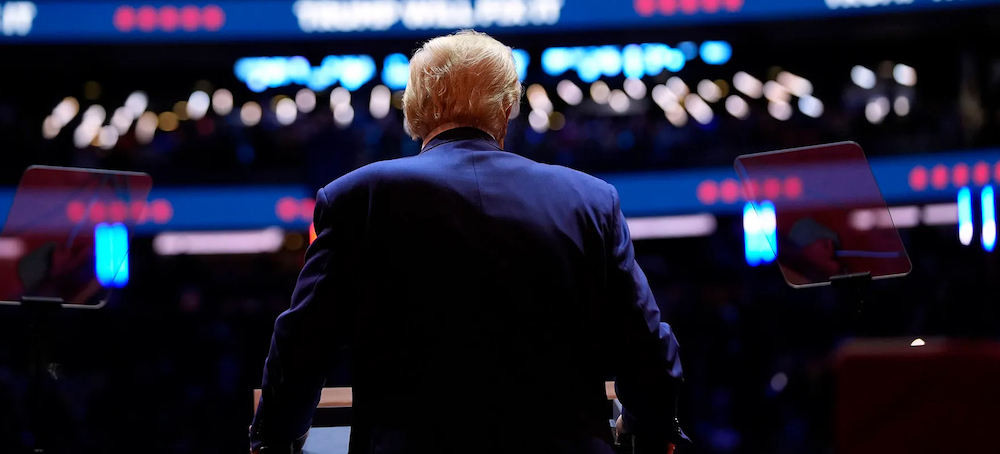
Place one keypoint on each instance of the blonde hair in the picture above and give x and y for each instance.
(467, 78)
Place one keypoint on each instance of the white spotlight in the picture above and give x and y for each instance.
(748, 85)
(709, 91)
(122, 119)
(676, 115)
(50, 127)
(904, 75)
(84, 134)
(285, 111)
(618, 101)
(538, 99)
(250, 114)
(95, 113)
(902, 106)
(678, 87)
(863, 77)
(136, 103)
(797, 85)
(343, 115)
(339, 96)
(305, 100)
(108, 137)
(197, 105)
(569, 92)
(737, 107)
(379, 101)
(699, 110)
(811, 106)
(634, 88)
(145, 127)
(877, 109)
(776, 92)
(663, 97)
(599, 91)
(779, 110)
(65, 111)
(222, 102)
(538, 120)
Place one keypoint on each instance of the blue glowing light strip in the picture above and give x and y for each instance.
(350, 71)
(111, 254)
(965, 216)
(989, 219)
(759, 236)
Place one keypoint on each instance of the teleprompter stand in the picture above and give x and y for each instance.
(40, 312)
(853, 293)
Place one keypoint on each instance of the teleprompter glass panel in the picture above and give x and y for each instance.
(829, 215)
(66, 235)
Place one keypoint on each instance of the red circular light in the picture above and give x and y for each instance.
(169, 18)
(124, 18)
(981, 173)
(76, 211)
(161, 211)
(190, 18)
(287, 209)
(645, 8)
(138, 212)
(960, 174)
(793, 187)
(146, 18)
(97, 212)
(213, 17)
(772, 188)
(711, 6)
(918, 178)
(996, 172)
(117, 211)
(668, 7)
(689, 6)
(734, 5)
(306, 207)
(708, 192)
(939, 176)
(730, 190)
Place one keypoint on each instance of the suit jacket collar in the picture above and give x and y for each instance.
(463, 133)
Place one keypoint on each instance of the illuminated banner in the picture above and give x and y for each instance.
(919, 179)
(108, 21)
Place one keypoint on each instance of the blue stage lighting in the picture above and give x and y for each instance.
(989, 219)
(521, 60)
(358, 70)
(689, 49)
(716, 52)
(965, 216)
(395, 71)
(632, 61)
(759, 234)
(674, 61)
(557, 60)
(111, 254)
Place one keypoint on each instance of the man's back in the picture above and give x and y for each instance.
(485, 299)
(482, 283)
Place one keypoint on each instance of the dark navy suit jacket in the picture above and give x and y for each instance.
(483, 299)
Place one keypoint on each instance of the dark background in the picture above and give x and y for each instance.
(170, 365)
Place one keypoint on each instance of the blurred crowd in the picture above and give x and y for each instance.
(170, 366)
